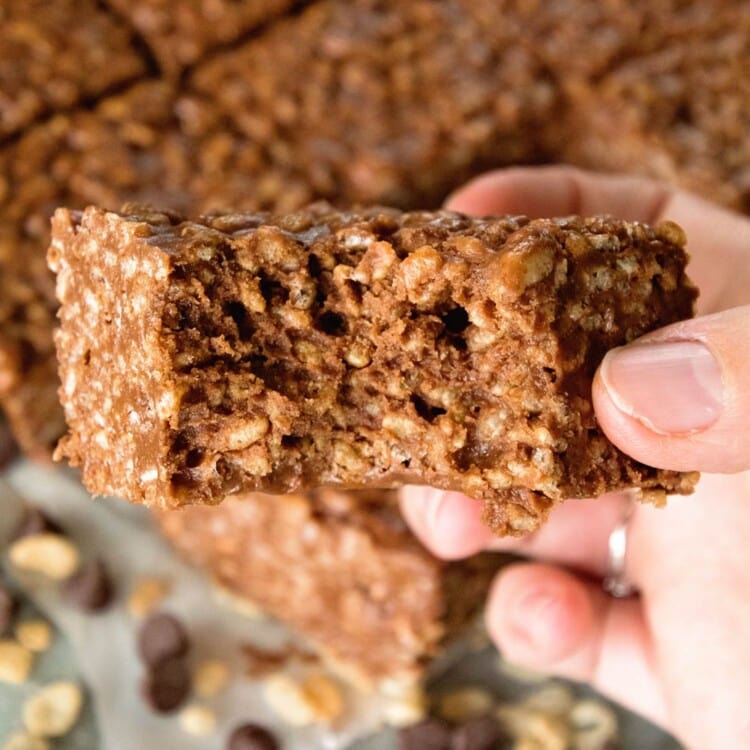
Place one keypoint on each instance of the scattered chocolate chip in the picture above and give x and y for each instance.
(251, 737)
(481, 733)
(161, 638)
(8, 609)
(91, 588)
(34, 521)
(166, 686)
(430, 734)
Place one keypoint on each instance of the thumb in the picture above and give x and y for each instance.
(679, 398)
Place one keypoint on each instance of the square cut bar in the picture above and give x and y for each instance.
(341, 569)
(235, 353)
(385, 101)
(677, 108)
(55, 54)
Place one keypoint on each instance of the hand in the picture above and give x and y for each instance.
(678, 398)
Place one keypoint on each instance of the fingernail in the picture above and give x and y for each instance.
(533, 615)
(671, 387)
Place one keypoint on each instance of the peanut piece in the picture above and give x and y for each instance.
(465, 703)
(523, 724)
(51, 555)
(15, 662)
(324, 696)
(406, 702)
(594, 724)
(210, 677)
(553, 699)
(287, 699)
(35, 635)
(146, 594)
(54, 710)
(198, 720)
(406, 712)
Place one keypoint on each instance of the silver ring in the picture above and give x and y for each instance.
(615, 583)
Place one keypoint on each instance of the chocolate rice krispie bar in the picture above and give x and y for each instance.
(54, 54)
(246, 352)
(341, 569)
(677, 107)
(383, 101)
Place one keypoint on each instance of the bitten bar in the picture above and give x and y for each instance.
(203, 358)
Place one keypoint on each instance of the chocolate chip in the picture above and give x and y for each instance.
(166, 686)
(251, 737)
(91, 588)
(34, 521)
(430, 734)
(161, 638)
(8, 609)
(481, 733)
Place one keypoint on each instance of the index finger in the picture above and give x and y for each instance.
(718, 239)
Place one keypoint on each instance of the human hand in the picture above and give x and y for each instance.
(678, 398)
